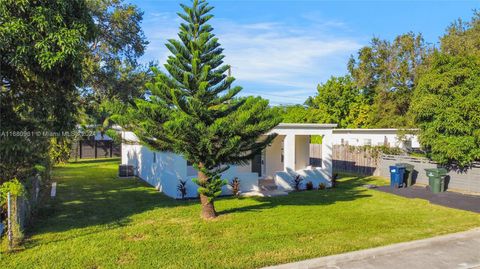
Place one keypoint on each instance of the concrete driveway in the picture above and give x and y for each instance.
(459, 250)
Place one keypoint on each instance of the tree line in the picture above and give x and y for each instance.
(407, 83)
(61, 62)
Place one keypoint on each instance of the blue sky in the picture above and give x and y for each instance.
(282, 49)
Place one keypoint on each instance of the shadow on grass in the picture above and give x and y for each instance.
(93, 161)
(91, 195)
(346, 190)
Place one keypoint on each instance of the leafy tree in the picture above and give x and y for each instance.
(110, 69)
(43, 44)
(294, 113)
(447, 109)
(193, 110)
(462, 38)
(386, 73)
(447, 98)
(334, 100)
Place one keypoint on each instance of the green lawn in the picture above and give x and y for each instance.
(99, 221)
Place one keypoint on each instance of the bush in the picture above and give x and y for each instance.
(297, 182)
(309, 186)
(182, 188)
(322, 186)
(59, 150)
(235, 184)
(14, 187)
(16, 190)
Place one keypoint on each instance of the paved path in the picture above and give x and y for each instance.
(459, 250)
(448, 198)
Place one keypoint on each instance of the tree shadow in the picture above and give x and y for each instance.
(94, 196)
(98, 160)
(346, 190)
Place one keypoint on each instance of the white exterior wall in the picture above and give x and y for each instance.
(273, 157)
(302, 152)
(164, 174)
(360, 137)
(292, 149)
(169, 168)
(245, 168)
(166, 171)
(327, 155)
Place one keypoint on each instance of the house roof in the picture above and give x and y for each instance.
(306, 125)
(377, 130)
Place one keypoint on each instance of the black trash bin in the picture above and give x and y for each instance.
(408, 173)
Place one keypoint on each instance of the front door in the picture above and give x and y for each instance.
(257, 164)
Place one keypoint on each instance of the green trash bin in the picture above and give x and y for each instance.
(408, 173)
(436, 179)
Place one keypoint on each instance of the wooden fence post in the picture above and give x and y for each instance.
(95, 147)
(80, 145)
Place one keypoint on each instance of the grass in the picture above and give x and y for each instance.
(99, 221)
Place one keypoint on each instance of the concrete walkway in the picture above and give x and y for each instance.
(459, 250)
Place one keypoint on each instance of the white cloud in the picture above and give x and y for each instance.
(287, 61)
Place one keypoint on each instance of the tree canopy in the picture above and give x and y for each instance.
(43, 44)
(447, 98)
(447, 109)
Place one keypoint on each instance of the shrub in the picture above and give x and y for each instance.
(235, 184)
(182, 188)
(14, 187)
(309, 185)
(322, 186)
(297, 182)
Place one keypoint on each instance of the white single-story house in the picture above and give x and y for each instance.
(272, 171)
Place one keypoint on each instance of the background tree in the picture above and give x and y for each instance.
(462, 37)
(111, 72)
(193, 110)
(334, 101)
(386, 73)
(43, 45)
(447, 98)
(294, 113)
(447, 109)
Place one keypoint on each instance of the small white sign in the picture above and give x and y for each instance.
(53, 192)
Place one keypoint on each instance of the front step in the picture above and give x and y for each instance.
(267, 184)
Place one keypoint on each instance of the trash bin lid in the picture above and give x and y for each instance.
(442, 171)
(436, 171)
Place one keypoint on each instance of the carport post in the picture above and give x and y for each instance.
(327, 153)
(289, 152)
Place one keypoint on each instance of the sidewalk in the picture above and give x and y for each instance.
(459, 250)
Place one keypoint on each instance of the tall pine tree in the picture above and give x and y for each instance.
(193, 109)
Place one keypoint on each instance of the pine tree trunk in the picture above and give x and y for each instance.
(208, 208)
